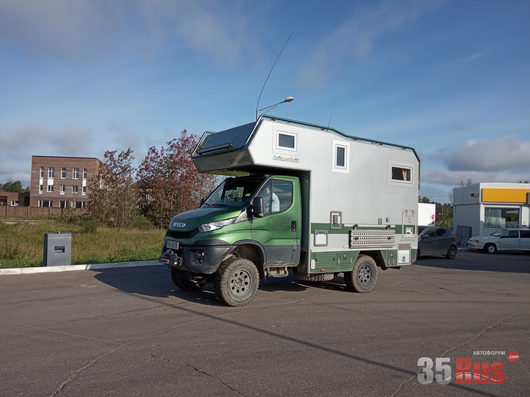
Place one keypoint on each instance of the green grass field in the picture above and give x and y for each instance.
(21, 244)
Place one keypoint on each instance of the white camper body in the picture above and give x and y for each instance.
(358, 194)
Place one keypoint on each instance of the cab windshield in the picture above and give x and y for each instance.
(234, 192)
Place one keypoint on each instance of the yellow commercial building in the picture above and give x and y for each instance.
(482, 208)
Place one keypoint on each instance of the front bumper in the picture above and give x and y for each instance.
(201, 259)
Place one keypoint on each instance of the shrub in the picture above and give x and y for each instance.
(89, 225)
(141, 222)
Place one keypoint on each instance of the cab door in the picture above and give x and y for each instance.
(279, 229)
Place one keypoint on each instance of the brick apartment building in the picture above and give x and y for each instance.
(61, 182)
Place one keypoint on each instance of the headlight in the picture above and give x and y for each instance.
(208, 227)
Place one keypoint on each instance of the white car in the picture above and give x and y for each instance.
(502, 240)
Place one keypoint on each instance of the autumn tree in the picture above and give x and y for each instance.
(113, 196)
(168, 181)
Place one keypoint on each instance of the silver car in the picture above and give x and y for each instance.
(502, 240)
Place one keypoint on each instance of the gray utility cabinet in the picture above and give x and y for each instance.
(57, 249)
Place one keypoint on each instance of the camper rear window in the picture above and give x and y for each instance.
(401, 174)
(286, 141)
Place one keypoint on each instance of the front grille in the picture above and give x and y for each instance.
(181, 235)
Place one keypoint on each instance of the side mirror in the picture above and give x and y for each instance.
(257, 207)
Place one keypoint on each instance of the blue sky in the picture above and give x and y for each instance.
(450, 78)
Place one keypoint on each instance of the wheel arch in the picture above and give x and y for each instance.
(377, 257)
(254, 252)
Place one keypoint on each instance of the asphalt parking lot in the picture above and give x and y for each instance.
(131, 332)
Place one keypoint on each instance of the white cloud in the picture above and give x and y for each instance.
(454, 178)
(84, 28)
(357, 36)
(507, 153)
(18, 145)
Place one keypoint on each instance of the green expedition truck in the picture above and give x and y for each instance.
(299, 196)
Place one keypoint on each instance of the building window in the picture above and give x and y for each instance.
(50, 188)
(84, 190)
(85, 173)
(75, 173)
(79, 204)
(51, 172)
(63, 190)
(63, 173)
(286, 141)
(41, 189)
(401, 174)
(47, 203)
(75, 189)
(63, 203)
(41, 174)
(501, 217)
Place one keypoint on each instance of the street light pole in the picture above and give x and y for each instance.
(288, 99)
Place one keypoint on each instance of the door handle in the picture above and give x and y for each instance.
(293, 226)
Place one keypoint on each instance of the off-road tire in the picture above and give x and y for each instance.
(451, 252)
(236, 281)
(183, 280)
(490, 248)
(363, 277)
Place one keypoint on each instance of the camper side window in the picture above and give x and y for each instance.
(401, 174)
(340, 157)
(286, 141)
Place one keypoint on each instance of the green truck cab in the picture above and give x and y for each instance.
(256, 217)
(300, 199)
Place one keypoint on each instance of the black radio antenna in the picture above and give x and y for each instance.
(270, 72)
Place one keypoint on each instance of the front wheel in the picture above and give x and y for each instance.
(363, 277)
(490, 248)
(236, 281)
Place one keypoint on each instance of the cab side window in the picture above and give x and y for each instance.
(277, 196)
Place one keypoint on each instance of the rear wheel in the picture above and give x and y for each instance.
(236, 281)
(183, 280)
(490, 248)
(363, 277)
(451, 252)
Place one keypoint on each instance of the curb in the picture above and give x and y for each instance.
(95, 266)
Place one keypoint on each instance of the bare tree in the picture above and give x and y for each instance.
(113, 196)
